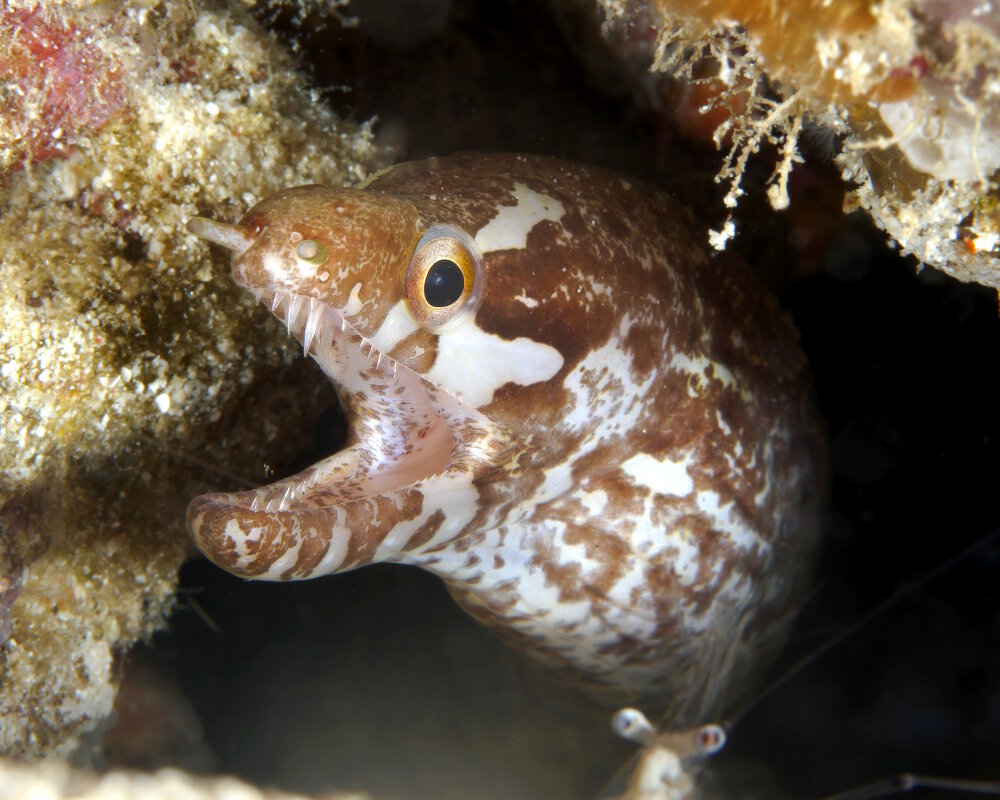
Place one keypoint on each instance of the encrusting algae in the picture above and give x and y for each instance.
(129, 368)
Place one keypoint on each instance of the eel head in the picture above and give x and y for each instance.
(368, 289)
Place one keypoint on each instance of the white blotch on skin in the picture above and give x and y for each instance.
(452, 494)
(594, 502)
(354, 301)
(397, 325)
(724, 427)
(697, 367)
(274, 267)
(661, 476)
(509, 229)
(337, 550)
(685, 561)
(768, 460)
(729, 522)
(285, 274)
(558, 481)
(530, 302)
(591, 384)
(283, 563)
(473, 364)
(234, 533)
(238, 540)
(306, 269)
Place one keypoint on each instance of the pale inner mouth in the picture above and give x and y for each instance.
(398, 434)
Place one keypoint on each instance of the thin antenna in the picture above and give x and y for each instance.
(849, 631)
(908, 781)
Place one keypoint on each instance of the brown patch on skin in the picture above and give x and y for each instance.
(486, 610)
(625, 647)
(606, 548)
(564, 576)
(625, 499)
(418, 351)
(270, 548)
(311, 552)
(214, 516)
(502, 489)
(714, 550)
(643, 343)
(547, 321)
(460, 546)
(370, 525)
(426, 531)
(665, 587)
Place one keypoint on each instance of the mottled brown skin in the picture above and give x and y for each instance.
(626, 466)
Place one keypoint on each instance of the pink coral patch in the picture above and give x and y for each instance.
(58, 82)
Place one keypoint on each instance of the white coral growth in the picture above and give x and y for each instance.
(753, 116)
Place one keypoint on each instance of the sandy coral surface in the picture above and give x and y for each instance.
(910, 88)
(54, 780)
(133, 373)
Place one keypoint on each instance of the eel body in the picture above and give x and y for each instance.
(602, 437)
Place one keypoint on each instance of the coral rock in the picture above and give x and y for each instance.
(131, 371)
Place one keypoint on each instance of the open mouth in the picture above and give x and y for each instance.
(398, 423)
(407, 476)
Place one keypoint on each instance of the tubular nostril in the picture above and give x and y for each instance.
(231, 236)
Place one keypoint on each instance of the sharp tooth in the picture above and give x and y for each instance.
(255, 503)
(285, 498)
(294, 309)
(312, 323)
(275, 302)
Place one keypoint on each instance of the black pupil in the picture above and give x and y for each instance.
(444, 283)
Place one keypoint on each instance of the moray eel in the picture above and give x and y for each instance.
(600, 436)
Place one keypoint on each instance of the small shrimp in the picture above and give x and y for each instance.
(668, 761)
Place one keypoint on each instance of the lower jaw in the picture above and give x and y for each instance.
(406, 449)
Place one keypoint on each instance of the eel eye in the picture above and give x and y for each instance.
(445, 278)
(444, 283)
(311, 251)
